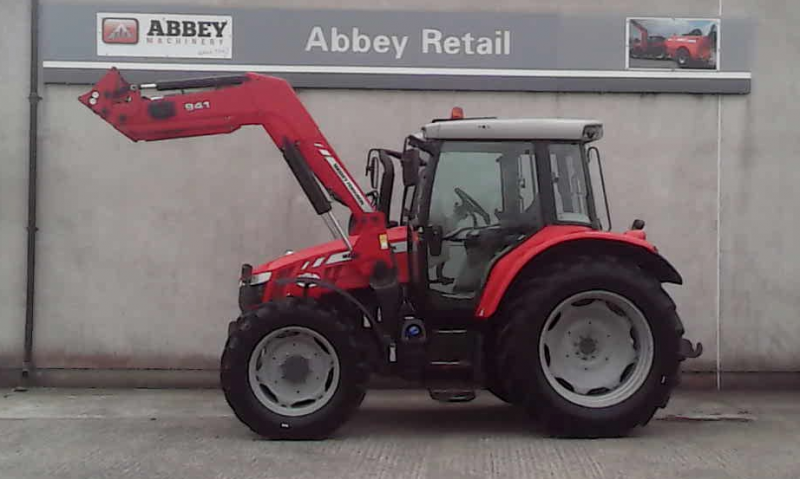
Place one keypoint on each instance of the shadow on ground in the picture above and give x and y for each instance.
(467, 418)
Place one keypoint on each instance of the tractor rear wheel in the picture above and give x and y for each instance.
(496, 387)
(495, 383)
(592, 347)
(293, 370)
(683, 57)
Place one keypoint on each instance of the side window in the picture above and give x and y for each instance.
(476, 173)
(569, 183)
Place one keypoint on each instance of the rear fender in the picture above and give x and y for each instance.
(528, 259)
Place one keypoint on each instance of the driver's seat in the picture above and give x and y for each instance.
(480, 250)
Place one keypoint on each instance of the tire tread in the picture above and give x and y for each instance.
(245, 333)
(514, 348)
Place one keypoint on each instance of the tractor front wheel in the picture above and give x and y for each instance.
(683, 57)
(292, 370)
(591, 347)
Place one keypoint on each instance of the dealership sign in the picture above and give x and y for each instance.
(391, 49)
(432, 41)
(164, 36)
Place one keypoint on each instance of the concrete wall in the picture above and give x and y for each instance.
(14, 64)
(760, 174)
(140, 245)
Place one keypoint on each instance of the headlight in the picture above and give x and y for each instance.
(251, 287)
(251, 296)
(260, 278)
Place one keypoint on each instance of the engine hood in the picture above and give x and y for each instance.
(327, 252)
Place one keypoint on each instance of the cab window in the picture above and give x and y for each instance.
(569, 183)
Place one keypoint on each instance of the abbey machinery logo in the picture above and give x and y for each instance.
(164, 35)
(121, 30)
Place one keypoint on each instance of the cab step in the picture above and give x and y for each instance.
(452, 396)
(453, 360)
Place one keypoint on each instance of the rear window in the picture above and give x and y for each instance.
(569, 183)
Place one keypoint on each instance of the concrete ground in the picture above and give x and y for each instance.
(191, 433)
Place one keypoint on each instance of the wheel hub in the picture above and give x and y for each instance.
(587, 346)
(295, 369)
(596, 349)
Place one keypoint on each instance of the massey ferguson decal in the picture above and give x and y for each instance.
(164, 36)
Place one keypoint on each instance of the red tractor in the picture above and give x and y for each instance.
(497, 274)
(693, 48)
(644, 45)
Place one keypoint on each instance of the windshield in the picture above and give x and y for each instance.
(481, 184)
(569, 183)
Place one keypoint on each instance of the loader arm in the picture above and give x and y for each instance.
(643, 32)
(220, 105)
(225, 105)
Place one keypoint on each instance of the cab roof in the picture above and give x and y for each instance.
(514, 129)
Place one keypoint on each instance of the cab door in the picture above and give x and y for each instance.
(475, 201)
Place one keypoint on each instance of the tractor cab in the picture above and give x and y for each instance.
(474, 189)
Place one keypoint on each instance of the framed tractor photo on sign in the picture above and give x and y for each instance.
(672, 43)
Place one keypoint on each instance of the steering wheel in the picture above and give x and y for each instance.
(473, 204)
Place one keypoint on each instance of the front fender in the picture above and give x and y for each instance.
(558, 242)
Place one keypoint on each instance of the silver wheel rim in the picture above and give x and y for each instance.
(294, 371)
(596, 349)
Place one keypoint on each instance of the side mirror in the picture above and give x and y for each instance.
(372, 167)
(410, 162)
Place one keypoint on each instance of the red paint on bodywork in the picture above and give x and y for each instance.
(699, 47)
(345, 274)
(507, 268)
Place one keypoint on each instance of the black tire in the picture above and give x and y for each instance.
(497, 389)
(244, 336)
(527, 311)
(494, 381)
(683, 58)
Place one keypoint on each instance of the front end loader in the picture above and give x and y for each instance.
(497, 274)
